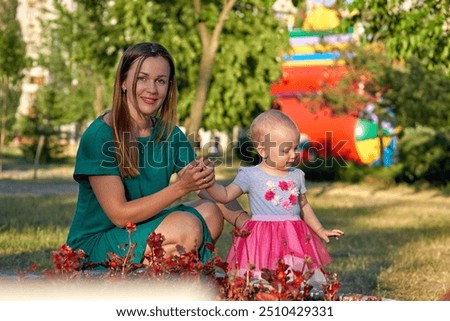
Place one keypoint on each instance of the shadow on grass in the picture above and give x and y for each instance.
(12, 264)
(22, 212)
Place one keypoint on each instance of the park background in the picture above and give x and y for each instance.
(228, 54)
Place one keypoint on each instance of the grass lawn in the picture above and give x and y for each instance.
(397, 242)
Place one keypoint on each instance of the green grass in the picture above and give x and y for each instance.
(31, 227)
(397, 241)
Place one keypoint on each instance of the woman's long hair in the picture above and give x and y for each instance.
(122, 124)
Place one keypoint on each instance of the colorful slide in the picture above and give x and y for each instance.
(341, 136)
(315, 61)
(305, 80)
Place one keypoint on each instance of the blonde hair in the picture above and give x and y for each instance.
(122, 124)
(266, 122)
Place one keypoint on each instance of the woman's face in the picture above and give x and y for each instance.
(151, 87)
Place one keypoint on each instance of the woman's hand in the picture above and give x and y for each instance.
(197, 175)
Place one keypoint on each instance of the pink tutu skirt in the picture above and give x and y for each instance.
(268, 241)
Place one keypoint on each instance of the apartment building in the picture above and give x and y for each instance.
(29, 14)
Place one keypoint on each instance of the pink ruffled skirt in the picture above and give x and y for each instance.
(268, 241)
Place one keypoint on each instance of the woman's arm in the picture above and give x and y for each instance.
(110, 193)
(313, 222)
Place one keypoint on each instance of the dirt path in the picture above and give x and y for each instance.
(11, 187)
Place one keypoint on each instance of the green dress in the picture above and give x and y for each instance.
(91, 230)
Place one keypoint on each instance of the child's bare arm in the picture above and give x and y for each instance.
(313, 222)
(224, 194)
(216, 191)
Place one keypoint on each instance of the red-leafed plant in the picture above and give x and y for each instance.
(281, 284)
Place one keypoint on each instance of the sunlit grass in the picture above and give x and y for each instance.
(418, 270)
(19, 250)
(397, 241)
(31, 227)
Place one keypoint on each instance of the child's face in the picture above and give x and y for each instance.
(280, 148)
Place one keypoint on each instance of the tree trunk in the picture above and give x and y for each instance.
(5, 85)
(37, 156)
(210, 45)
(201, 93)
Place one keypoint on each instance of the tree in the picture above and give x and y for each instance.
(248, 61)
(90, 42)
(12, 61)
(251, 39)
(210, 45)
(409, 28)
(66, 97)
(226, 58)
(419, 97)
(236, 88)
(73, 80)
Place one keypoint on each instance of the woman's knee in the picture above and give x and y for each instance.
(212, 215)
(183, 232)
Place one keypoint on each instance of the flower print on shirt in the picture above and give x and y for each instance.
(285, 186)
(294, 191)
(293, 199)
(271, 196)
(271, 185)
(286, 204)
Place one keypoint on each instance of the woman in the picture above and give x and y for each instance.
(124, 164)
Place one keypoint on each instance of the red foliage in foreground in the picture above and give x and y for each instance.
(282, 284)
(445, 296)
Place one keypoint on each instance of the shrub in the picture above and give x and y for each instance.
(321, 169)
(424, 154)
(353, 172)
(30, 128)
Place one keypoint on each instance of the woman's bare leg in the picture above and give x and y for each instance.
(182, 232)
(212, 215)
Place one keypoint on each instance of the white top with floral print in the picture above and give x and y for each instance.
(272, 195)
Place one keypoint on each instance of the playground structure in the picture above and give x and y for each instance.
(315, 61)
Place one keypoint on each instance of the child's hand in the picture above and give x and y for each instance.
(203, 163)
(208, 166)
(326, 234)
